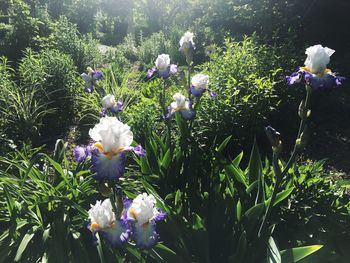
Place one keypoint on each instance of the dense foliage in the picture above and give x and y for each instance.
(80, 75)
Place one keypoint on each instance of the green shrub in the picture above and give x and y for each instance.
(65, 38)
(123, 83)
(21, 30)
(153, 46)
(43, 208)
(317, 212)
(22, 109)
(142, 117)
(52, 75)
(241, 74)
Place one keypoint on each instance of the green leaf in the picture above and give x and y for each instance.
(254, 212)
(56, 165)
(83, 172)
(293, 255)
(233, 172)
(23, 245)
(273, 254)
(9, 200)
(344, 183)
(145, 168)
(46, 234)
(160, 142)
(251, 187)
(238, 159)
(223, 145)
(239, 210)
(182, 125)
(198, 222)
(254, 166)
(255, 172)
(100, 249)
(160, 246)
(283, 195)
(166, 160)
(177, 197)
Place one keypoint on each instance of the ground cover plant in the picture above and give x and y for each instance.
(169, 132)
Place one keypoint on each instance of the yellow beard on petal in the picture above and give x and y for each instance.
(319, 74)
(132, 213)
(94, 226)
(111, 153)
(306, 69)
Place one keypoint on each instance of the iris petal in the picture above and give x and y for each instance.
(145, 236)
(188, 114)
(107, 168)
(197, 92)
(116, 235)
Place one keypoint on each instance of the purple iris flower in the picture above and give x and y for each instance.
(118, 106)
(107, 168)
(294, 78)
(115, 231)
(326, 81)
(182, 105)
(97, 75)
(139, 151)
(103, 112)
(142, 217)
(90, 79)
(80, 154)
(199, 85)
(162, 67)
(89, 149)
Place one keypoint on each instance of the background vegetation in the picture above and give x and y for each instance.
(246, 47)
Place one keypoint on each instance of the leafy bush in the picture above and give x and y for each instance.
(51, 75)
(21, 31)
(241, 75)
(65, 38)
(43, 209)
(216, 208)
(144, 50)
(154, 45)
(122, 82)
(317, 212)
(22, 108)
(141, 117)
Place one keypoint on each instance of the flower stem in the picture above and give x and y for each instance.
(301, 129)
(189, 80)
(166, 121)
(278, 173)
(277, 170)
(113, 201)
(195, 110)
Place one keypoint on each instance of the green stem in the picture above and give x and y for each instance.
(300, 131)
(189, 80)
(113, 202)
(277, 170)
(278, 173)
(195, 109)
(185, 147)
(163, 105)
